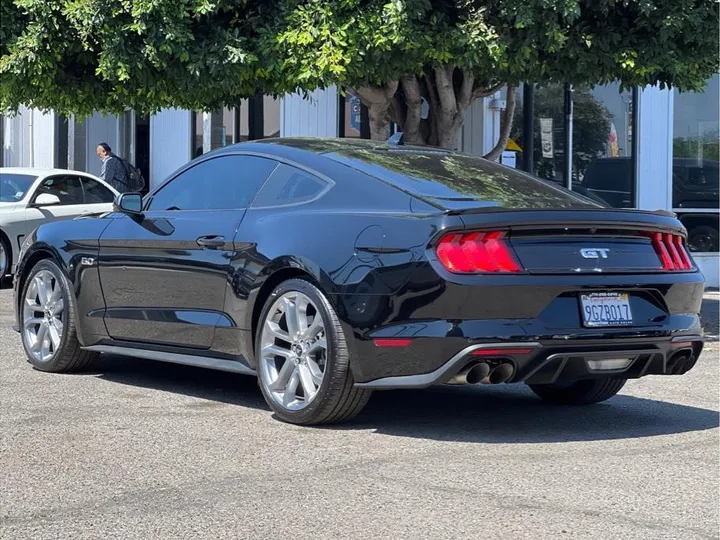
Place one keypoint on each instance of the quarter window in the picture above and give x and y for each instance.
(221, 183)
(95, 192)
(289, 185)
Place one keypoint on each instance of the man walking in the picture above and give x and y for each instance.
(113, 171)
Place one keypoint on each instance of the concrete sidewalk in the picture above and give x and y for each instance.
(710, 315)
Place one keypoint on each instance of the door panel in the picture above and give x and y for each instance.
(160, 285)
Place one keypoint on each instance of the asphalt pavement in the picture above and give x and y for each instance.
(136, 449)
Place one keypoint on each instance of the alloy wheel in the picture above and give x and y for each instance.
(43, 316)
(293, 351)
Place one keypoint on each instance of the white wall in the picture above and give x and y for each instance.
(29, 139)
(654, 157)
(481, 128)
(100, 129)
(316, 116)
(170, 143)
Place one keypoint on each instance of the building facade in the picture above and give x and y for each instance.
(648, 148)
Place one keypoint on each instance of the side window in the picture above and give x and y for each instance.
(221, 183)
(289, 185)
(66, 188)
(95, 192)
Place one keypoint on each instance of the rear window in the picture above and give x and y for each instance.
(457, 180)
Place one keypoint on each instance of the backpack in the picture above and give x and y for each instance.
(135, 180)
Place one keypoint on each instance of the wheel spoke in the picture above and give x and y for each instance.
(32, 321)
(45, 349)
(58, 307)
(301, 306)
(291, 388)
(315, 371)
(60, 326)
(286, 371)
(319, 345)
(308, 384)
(56, 293)
(40, 337)
(274, 350)
(54, 336)
(274, 329)
(42, 290)
(291, 317)
(315, 327)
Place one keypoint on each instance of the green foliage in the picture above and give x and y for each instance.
(77, 56)
(706, 146)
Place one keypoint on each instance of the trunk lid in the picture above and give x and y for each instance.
(583, 241)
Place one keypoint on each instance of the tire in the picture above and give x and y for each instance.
(583, 392)
(67, 355)
(5, 257)
(320, 362)
(703, 238)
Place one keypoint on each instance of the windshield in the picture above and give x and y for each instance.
(13, 187)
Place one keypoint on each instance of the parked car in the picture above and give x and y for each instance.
(30, 197)
(332, 268)
(695, 187)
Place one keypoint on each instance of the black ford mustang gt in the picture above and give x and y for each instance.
(329, 268)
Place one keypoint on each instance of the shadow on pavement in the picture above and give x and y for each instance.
(508, 414)
(216, 386)
(710, 316)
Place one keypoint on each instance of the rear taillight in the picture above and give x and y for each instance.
(672, 251)
(477, 252)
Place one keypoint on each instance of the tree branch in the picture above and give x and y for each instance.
(487, 92)
(505, 125)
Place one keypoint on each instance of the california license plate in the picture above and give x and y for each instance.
(605, 309)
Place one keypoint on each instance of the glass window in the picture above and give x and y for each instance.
(66, 188)
(14, 187)
(95, 192)
(459, 181)
(696, 136)
(602, 144)
(289, 185)
(220, 183)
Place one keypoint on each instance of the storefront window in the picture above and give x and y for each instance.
(695, 164)
(602, 164)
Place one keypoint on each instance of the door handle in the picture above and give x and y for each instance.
(211, 242)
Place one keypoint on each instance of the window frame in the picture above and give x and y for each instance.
(36, 193)
(327, 186)
(147, 200)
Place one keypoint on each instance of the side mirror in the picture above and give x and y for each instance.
(46, 199)
(128, 203)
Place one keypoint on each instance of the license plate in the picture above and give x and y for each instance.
(606, 309)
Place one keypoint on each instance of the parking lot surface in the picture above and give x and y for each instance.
(136, 449)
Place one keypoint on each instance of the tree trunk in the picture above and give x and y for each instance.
(378, 100)
(410, 123)
(505, 125)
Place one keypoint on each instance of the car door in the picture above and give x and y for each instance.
(97, 196)
(164, 273)
(67, 188)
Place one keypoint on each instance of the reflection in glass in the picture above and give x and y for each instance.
(696, 134)
(602, 144)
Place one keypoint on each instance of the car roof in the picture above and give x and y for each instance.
(445, 179)
(41, 171)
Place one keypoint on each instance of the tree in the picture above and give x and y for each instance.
(394, 54)
(77, 56)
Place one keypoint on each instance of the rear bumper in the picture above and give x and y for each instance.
(556, 361)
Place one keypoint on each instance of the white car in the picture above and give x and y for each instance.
(31, 197)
